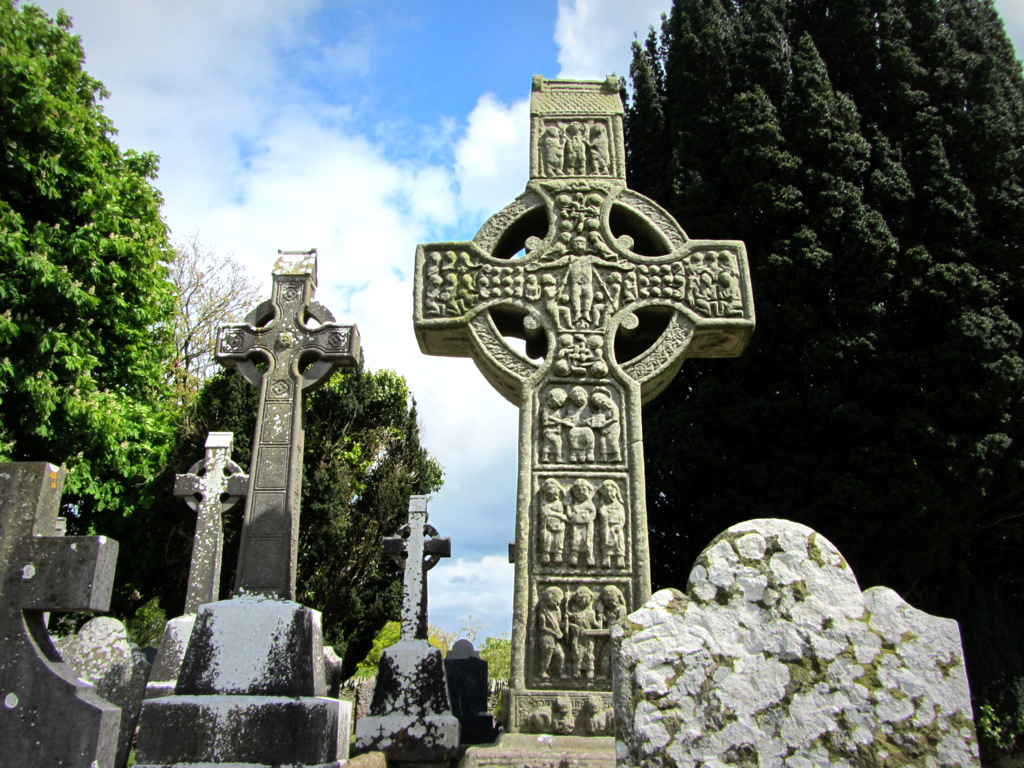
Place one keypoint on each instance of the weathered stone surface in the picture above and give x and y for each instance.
(410, 717)
(774, 657)
(610, 296)
(49, 716)
(252, 730)
(278, 333)
(467, 687)
(254, 646)
(171, 652)
(211, 487)
(101, 653)
(518, 750)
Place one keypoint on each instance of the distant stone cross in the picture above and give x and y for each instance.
(610, 296)
(211, 487)
(300, 347)
(418, 547)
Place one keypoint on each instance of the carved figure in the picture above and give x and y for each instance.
(582, 620)
(552, 150)
(554, 719)
(553, 519)
(596, 719)
(613, 526)
(549, 633)
(606, 424)
(434, 283)
(610, 607)
(575, 150)
(581, 436)
(582, 513)
(599, 148)
(552, 423)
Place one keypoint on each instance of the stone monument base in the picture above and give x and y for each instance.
(542, 751)
(243, 730)
(410, 718)
(561, 713)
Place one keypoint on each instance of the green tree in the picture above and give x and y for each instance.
(362, 460)
(83, 290)
(870, 154)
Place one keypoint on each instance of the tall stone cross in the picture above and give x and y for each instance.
(287, 346)
(418, 548)
(610, 296)
(211, 487)
(48, 714)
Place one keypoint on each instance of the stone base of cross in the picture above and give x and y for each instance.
(609, 296)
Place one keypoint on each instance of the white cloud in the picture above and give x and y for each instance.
(482, 589)
(492, 160)
(594, 36)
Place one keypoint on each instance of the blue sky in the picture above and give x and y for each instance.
(361, 128)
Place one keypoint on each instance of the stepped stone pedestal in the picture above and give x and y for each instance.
(251, 692)
(520, 750)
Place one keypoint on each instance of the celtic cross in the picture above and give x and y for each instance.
(417, 548)
(211, 487)
(608, 296)
(299, 347)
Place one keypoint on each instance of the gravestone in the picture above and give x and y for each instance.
(252, 683)
(410, 718)
(101, 653)
(49, 716)
(211, 487)
(609, 296)
(774, 657)
(467, 686)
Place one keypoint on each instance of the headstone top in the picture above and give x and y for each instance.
(462, 649)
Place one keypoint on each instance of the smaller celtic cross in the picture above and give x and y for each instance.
(300, 347)
(418, 544)
(211, 487)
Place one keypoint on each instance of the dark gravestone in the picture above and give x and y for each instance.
(252, 684)
(467, 686)
(410, 717)
(48, 715)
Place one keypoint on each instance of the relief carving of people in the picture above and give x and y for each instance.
(611, 607)
(606, 424)
(553, 519)
(581, 436)
(581, 515)
(575, 149)
(551, 150)
(599, 149)
(582, 620)
(550, 634)
(613, 526)
(552, 423)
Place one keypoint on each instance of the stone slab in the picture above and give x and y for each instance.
(255, 646)
(101, 653)
(256, 730)
(169, 656)
(543, 751)
(774, 657)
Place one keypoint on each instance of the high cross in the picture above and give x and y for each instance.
(300, 347)
(418, 548)
(211, 487)
(609, 295)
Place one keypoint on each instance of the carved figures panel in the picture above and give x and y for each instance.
(582, 524)
(565, 714)
(580, 424)
(571, 623)
(575, 146)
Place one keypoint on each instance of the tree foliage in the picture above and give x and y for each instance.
(83, 290)
(362, 460)
(210, 289)
(870, 154)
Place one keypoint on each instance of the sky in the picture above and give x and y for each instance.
(362, 128)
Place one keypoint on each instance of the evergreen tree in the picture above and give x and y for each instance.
(362, 460)
(871, 155)
(83, 290)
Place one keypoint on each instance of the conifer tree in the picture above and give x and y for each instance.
(871, 155)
